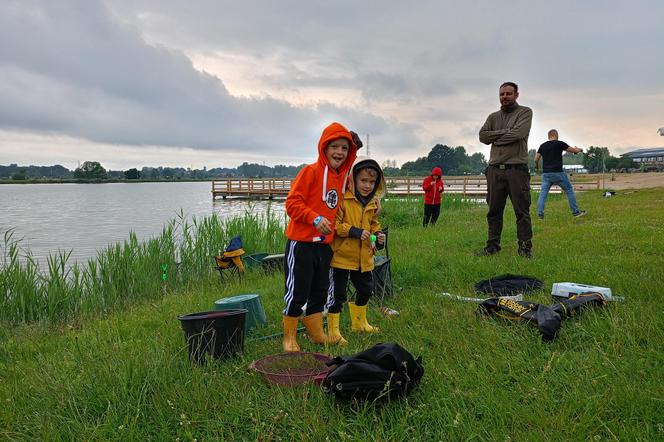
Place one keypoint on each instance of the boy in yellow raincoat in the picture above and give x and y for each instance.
(355, 223)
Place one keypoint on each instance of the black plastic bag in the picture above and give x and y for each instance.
(382, 372)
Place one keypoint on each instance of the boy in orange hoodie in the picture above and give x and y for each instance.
(312, 205)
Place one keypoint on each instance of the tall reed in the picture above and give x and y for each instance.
(125, 272)
(130, 271)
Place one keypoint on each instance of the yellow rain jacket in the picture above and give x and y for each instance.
(353, 253)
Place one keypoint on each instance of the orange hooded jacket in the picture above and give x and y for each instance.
(317, 190)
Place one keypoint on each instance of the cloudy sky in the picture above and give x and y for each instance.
(134, 83)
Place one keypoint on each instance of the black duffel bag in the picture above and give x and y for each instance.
(382, 372)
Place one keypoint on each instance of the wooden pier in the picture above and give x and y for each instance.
(251, 187)
(472, 187)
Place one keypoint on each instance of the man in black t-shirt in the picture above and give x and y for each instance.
(551, 153)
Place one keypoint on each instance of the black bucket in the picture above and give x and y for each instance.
(218, 333)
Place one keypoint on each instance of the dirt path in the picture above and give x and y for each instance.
(633, 180)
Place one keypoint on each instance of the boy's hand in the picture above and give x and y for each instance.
(324, 226)
(380, 238)
(365, 235)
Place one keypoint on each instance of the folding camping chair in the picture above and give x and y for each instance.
(229, 263)
(382, 273)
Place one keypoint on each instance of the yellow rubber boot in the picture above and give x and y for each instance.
(333, 333)
(314, 325)
(358, 317)
(290, 334)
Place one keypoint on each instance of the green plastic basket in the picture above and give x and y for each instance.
(251, 303)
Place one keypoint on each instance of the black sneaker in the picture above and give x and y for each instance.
(579, 214)
(540, 216)
(526, 253)
(487, 251)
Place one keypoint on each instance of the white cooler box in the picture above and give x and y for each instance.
(566, 289)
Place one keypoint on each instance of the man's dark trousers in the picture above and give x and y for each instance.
(511, 180)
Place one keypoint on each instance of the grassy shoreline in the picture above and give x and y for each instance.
(121, 373)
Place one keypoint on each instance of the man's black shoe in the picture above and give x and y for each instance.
(487, 251)
(526, 253)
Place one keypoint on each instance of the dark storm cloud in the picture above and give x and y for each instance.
(73, 68)
(120, 71)
(404, 52)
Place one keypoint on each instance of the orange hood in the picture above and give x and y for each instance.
(333, 132)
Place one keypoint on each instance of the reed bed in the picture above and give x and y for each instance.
(124, 273)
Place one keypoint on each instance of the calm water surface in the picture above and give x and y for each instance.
(86, 218)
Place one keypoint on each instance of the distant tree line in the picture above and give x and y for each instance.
(598, 159)
(94, 171)
(16, 172)
(453, 161)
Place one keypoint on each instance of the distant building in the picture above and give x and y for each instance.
(648, 158)
(574, 168)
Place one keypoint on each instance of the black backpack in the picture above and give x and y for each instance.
(382, 372)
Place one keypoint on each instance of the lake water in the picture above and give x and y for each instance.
(86, 218)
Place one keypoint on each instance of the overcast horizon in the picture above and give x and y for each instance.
(134, 83)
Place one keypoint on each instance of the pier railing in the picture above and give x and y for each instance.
(472, 186)
(251, 187)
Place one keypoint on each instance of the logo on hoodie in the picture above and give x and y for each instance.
(332, 198)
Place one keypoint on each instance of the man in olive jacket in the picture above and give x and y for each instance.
(507, 131)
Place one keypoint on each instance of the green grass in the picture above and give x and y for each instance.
(123, 374)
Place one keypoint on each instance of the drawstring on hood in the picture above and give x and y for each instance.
(332, 132)
(325, 183)
(343, 187)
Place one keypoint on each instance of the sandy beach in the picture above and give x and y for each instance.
(621, 181)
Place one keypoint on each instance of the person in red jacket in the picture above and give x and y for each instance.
(312, 205)
(433, 186)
